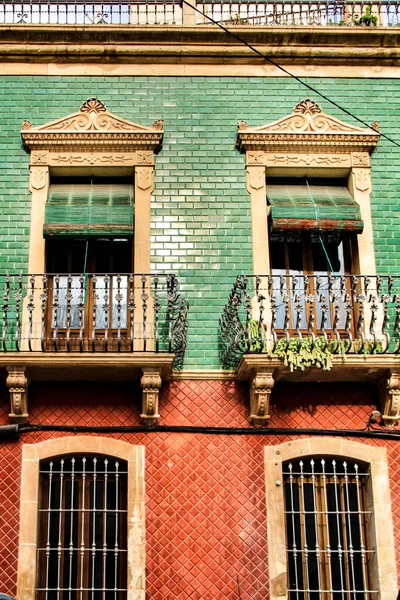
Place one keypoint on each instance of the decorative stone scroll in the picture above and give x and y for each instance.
(261, 385)
(151, 383)
(92, 129)
(390, 399)
(17, 383)
(307, 127)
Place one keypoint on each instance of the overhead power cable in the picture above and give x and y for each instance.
(292, 75)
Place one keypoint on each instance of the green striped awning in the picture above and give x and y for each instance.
(321, 205)
(85, 209)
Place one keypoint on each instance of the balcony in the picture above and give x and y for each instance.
(313, 328)
(91, 326)
(257, 13)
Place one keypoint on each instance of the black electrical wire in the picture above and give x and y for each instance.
(298, 79)
(7, 430)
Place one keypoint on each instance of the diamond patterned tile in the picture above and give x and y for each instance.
(206, 521)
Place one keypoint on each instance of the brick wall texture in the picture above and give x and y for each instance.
(200, 213)
(205, 495)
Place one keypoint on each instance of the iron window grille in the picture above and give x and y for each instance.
(82, 550)
(327, 536)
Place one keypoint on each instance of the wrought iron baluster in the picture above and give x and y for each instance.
(119, 299)
(131, 309)
(106, 309)
(171, 293)
(156, 307)
(54, 309)
(43, 298)
(324, 310)
(360, 299)
(83, 531)
(18, 306)
(310, 299)
(315, 510)
(374, 310)
(144, 298)
(68, 298)
(6, 298)
(94, 314)
(81, 309)
(328, 542)
(31, 308)
(385, 323)
(349, 313)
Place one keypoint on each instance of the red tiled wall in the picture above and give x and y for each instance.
(206, 532)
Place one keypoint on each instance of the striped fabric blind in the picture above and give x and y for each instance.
(320, 205)
(83, 209)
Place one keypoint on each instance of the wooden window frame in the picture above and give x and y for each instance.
(32, 454)
(383, 567)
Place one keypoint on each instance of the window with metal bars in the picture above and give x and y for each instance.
(327, 517)
(82, 549)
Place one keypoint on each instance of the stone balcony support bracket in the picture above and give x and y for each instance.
(389, 392)
(261, 384)
(151, 383)
(17, 383)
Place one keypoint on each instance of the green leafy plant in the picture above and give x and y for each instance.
(367, 19)
(299, 356)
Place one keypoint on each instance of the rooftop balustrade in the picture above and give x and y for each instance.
(354, 314)
(257, 13)
(93, 313)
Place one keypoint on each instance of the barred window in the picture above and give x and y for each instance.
(82, 549)
(326, 530)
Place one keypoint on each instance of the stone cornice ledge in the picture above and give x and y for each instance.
(85, 366)
(177, 44)
(263, 372)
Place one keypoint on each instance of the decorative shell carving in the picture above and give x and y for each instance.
(243, 125)
(93, 104)
(307, 106)
(158, 124)
(26, 125)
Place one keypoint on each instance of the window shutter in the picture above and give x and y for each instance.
(315, 207)
(89, 209)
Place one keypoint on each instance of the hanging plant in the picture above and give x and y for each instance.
(301, 356)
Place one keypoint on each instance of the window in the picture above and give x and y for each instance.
(326, 529)
(85, 171)
(329, 524)
(82, 547)
(74, 529)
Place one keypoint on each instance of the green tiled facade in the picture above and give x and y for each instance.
(201, 226)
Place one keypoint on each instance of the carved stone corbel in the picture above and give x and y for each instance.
(151, 383)
(261, 385)
(17, 383)
(390, 399)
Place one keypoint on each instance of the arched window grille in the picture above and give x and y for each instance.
(327, 517)
(82, 549)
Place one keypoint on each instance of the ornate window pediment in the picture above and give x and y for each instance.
(307, 129)
(93, 128)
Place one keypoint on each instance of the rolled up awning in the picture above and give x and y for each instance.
(83, 209)
(320, 205)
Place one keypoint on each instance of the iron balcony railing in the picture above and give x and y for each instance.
(352, 13)
(347, 314)
(93, 313)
